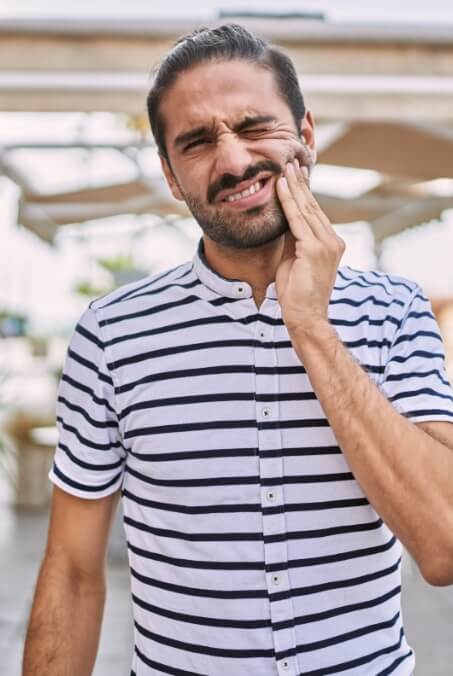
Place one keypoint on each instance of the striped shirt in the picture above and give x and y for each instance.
(252, 549)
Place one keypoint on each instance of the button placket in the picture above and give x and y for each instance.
(271, 470)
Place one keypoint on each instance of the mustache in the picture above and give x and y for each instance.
(230, 181)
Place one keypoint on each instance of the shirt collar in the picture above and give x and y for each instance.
(230, 288)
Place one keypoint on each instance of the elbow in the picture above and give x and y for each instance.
(438, 571)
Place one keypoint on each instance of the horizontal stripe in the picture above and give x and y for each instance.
(99, 401)
(165, 668)
(243, 507)
(417, 393)
(235, 453)
(242, 480)
(84, 487)
(78, 409)
(84, 440)
(260, 565)
(347, 636)
(89, 465)
(149, 311)
(194, 591)
(336, 584)
(335, 612)
(395, 664)
(350, 664)
(202, 649)
(89, 336)
(196, 619)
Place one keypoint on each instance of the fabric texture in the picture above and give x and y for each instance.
(253, 550)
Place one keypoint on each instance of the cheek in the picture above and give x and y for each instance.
(279, 149)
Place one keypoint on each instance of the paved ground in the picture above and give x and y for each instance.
(428, 611)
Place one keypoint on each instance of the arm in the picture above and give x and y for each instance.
(65, 621)
(405, 470)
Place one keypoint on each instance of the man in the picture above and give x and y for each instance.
(277, 425)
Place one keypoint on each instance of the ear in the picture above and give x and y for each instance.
(171, 179)
(308, 134)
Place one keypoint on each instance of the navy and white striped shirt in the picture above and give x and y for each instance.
(253, 551)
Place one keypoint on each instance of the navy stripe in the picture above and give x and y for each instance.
(196, 619)
(335, 612)
(84, 487)
(102, 424)
(336, 584)
(88, 335)
(416, 393)
(165, 668)
(100, 401)
(194, 591)
(89, 465)
(395, 664)
(135, 289)
(343, 666)
(85, 441)
(203, 649)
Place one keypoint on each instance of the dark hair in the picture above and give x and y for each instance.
(225, 43)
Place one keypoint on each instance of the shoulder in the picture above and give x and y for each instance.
(373, 284)
(145, 292)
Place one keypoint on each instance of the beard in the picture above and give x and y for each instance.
(247, 229)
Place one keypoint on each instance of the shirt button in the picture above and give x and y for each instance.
(285, 665)
(271, 496)
(275, 579)
(240, 289)
(262, 334)
(266, 412)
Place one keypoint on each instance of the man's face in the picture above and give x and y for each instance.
(229, 135)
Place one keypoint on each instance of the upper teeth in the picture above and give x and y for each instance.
(245, 193)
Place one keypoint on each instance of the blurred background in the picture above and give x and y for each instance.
(84, 208)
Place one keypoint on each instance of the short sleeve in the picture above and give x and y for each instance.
(415, 378)
(89, 458)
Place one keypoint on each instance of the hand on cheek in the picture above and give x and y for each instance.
(312, 253)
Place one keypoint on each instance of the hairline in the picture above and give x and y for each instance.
(259, 62)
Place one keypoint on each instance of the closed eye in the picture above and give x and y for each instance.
(197, 142)
(256, 130)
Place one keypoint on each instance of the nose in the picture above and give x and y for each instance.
(232, 155)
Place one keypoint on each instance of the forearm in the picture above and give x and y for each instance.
(406, 474)
(64, 627)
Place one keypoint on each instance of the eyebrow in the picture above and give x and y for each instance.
(196, 133)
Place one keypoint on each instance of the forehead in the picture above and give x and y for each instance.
(224, 91)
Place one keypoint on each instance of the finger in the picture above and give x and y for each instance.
(304, 202)
(303, 155)
(299, 227)
(311, 199)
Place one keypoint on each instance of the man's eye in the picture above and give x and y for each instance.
(256, 130)
(198, 142)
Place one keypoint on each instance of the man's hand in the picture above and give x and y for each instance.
(307, 272)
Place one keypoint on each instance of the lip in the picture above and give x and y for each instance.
(251, 200)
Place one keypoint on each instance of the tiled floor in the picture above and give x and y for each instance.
(428, 611)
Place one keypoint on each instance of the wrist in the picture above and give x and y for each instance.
(313, 330)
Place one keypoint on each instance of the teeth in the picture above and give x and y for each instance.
(245, 193)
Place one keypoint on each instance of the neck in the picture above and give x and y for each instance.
(257, 266)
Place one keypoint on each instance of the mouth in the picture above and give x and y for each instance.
(255, 194)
